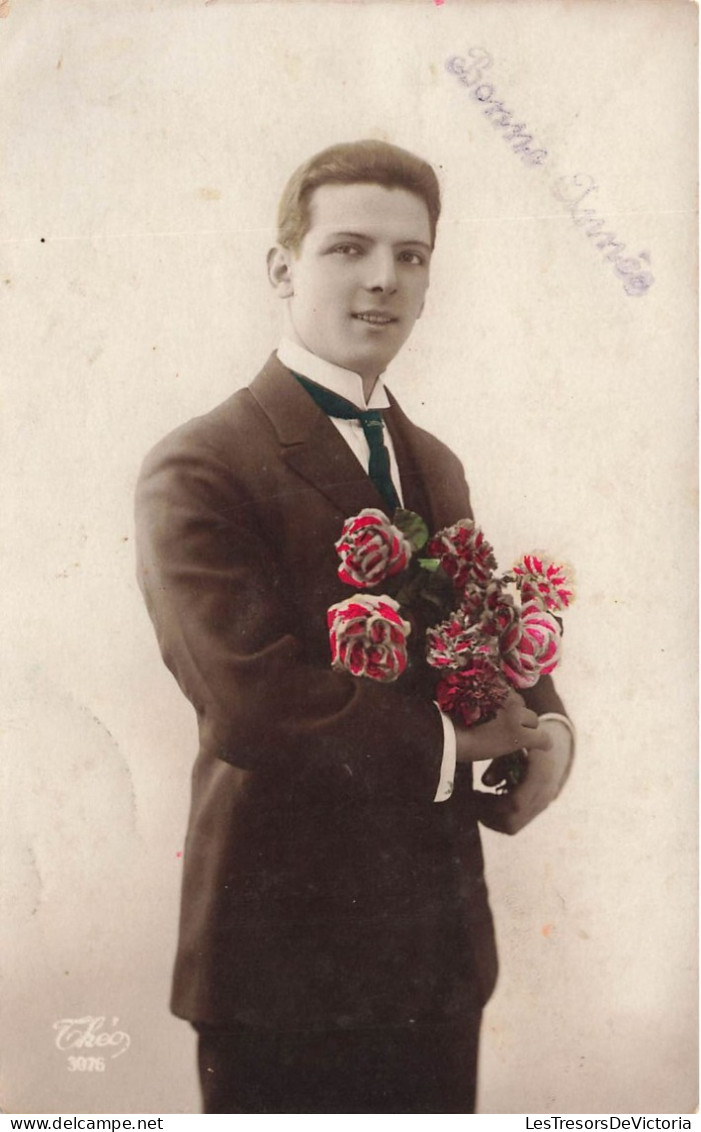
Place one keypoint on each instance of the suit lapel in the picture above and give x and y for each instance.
(432, 478)
(311, 444)
(313, 448)
(420, 484)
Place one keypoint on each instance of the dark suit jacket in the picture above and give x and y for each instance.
(322, 884)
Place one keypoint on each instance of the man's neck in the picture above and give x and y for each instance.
(369, 384)
(365, 392)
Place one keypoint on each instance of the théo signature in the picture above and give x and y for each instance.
(88, 1043)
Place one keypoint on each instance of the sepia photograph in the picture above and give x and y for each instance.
(350, 556)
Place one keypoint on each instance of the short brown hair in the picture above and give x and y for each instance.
(362, 162)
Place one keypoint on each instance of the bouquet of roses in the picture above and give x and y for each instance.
(488, 632)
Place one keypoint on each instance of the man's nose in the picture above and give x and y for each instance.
(382, 271)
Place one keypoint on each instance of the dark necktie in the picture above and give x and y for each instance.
(372, 425)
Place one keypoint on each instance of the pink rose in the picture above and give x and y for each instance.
(464, 553)
(531, 648)
(544, 582)
(472, 694)
(368, 637)
(371, 549)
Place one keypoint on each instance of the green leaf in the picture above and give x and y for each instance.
(412, 527)
(430, 565)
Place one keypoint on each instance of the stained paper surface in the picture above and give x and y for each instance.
(144, 147)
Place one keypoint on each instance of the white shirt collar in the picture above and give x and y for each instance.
(344, 382)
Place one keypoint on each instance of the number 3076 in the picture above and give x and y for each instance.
(86, 1065)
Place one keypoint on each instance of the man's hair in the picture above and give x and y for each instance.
(350, 163)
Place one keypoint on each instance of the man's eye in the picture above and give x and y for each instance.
(414, 258)
(347, 249)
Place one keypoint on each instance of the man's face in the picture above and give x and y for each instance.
(357, 284)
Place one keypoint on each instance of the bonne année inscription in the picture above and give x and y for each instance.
(569, 190)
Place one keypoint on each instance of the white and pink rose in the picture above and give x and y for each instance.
(531, 647)
(368, 637)
(464, 554)
(545, 582)
(454, 642)
(371, 549)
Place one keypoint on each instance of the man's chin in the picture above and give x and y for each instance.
(368, 359)
(371, 363)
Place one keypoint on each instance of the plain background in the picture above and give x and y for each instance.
(144, 147)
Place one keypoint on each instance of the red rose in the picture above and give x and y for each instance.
(371, 549)
(368, 637)
(544, 582)
(531, 648)
(474, 693)
(464, 553)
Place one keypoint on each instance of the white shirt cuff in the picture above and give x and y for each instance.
(450, 748)
(448, 763)
(555, 717)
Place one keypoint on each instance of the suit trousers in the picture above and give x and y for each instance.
(421, 1068)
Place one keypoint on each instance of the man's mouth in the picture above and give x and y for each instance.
(376, 318)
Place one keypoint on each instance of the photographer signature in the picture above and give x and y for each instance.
(87, 1033)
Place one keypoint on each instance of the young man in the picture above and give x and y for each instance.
(336, 944)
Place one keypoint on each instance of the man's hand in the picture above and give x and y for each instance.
(514, 727)
(547, 770)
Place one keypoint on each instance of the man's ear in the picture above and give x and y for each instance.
(279, 270)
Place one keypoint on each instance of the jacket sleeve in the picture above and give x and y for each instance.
(543, 698)
(215, 590)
